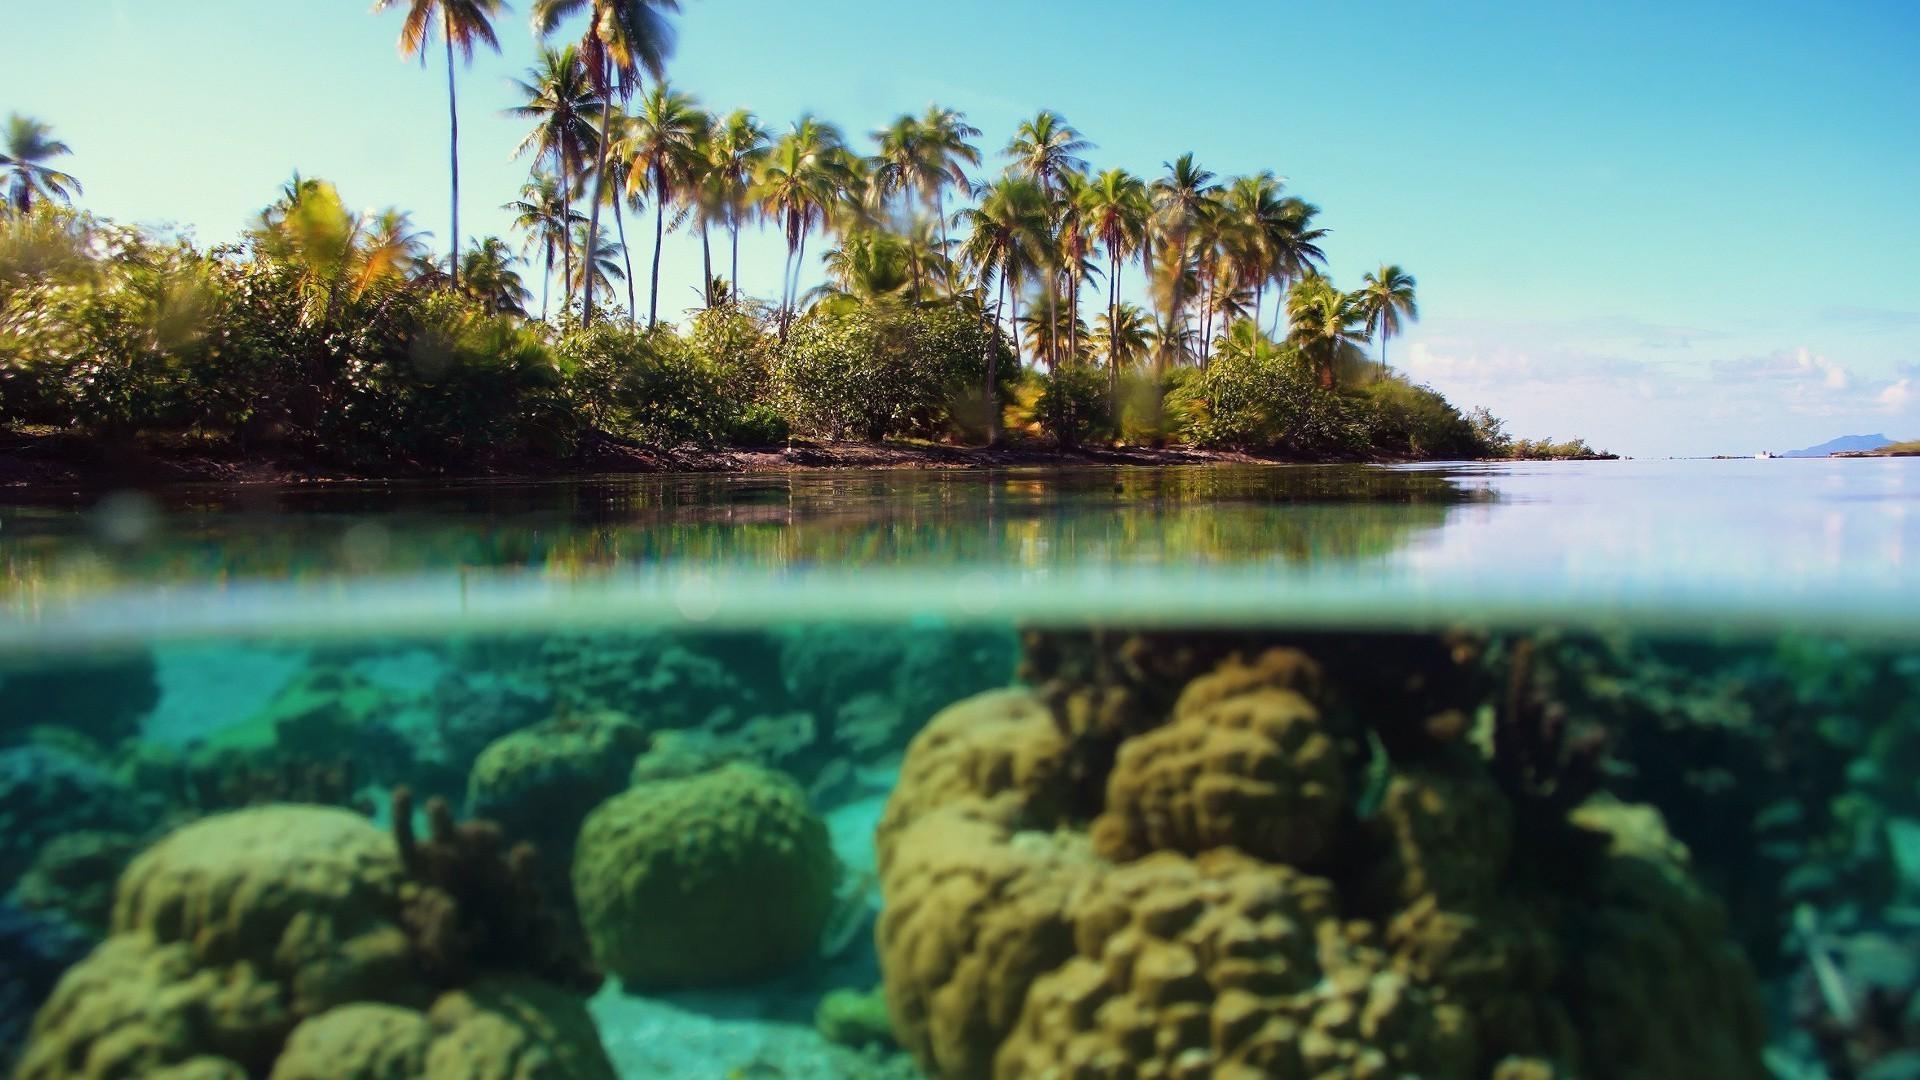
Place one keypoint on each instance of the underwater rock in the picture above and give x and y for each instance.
(46, 793)
(540, 783)
(233, 931)
(1055, 908)
(103, 698)
(719, 878)
(663, 681)
(74, 876)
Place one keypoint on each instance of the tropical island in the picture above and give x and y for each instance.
(973, 310)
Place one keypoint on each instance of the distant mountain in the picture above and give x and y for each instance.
(1844, 442)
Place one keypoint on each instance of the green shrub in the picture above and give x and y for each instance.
(1074, 406)
(1414, 421)
(646, 385)
(1259, 395)
(871, 371)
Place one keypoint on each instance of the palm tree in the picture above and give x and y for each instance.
(735, 150)
(869, 264)
(947, 138)
(622, 37)
(1117, 211)
(599, 258)
(802, 178)
(544, 214)
(663, 153)
(462, 23)
(1327, 324)
(391, 247)
(561, 102)
(1179, 198)
(1386, 297)
(1296, 246)
(23, 163)
(616, 192)
(1045, 147)
(1008, 233)
(491, 280)
(1123, 334)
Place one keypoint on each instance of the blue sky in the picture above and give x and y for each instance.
(1669, 228)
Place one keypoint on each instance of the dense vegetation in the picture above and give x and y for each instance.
(954, 305)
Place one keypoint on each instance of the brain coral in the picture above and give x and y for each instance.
(235, 932)
(716, 878)
(1249, 896)
(540, 783)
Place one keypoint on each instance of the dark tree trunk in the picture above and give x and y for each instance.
(453, 155)
(599, 195)
(659, 237)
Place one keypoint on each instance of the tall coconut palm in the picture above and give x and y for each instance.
(1386, 297)
(1179, 198)
(663, 153)
(1296, 247)
(561, 103)
(1045, 147)
(1328, 325)
(1257, 212)
(543, 212)
(1117, 211)
(948, 139)
(462, 24)
(487, 275)
(801, 180)
(1123, 334)
(735, 148)
(595, 256)
(870, 264)
(23, 164)
(622, 38)
(1008, 234)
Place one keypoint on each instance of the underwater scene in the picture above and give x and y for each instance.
(1000, 809)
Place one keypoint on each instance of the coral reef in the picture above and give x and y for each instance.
(873, 687)
(231, 933)
(855, 1018)
(718, 878)
(37, 948)
(1217, 856)
(227, 779)
(474, 903)
(541, 782)
(46, 792)
(74, 876)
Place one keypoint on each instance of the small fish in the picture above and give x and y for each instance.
(1379, 775)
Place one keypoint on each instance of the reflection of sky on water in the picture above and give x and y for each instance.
(1696, 542)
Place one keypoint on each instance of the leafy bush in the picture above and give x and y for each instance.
(1073, 406)
(1415, 421)
(647, 385)
(1258, 395)
(870, 371)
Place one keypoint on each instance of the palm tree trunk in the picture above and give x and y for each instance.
(599, 193)
(453, 153)
(940, 211)
(1013, 318)
(546, 284)
(1113, 346)
(993, 366)
(733, 283)
(706, 265)
(659, 237)
(626, 257)
(566, 234)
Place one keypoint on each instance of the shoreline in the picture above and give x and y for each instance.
(30, 460)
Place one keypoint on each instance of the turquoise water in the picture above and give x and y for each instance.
(1597, 770)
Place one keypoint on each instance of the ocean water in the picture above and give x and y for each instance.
(1557, 770)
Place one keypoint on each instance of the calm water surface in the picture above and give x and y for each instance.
(1833, 541)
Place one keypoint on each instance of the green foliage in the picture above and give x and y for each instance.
(1414, 421)
(647, 385)
(1259, 395)
(1548, 450)
(1074, 407)
(873, 371)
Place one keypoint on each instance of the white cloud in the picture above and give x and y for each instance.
(1802, 364)
(1897, 396)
